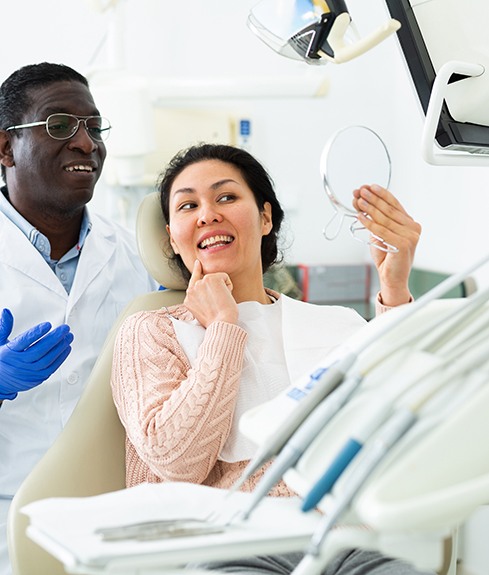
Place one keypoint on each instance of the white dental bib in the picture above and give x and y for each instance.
(284, 340)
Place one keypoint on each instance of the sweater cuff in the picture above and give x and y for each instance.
(226, 340)
(381, 308)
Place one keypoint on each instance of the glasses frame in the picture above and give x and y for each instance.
(79, 120)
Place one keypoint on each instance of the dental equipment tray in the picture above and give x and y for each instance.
(83, 546)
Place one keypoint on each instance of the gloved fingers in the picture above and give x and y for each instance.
(59, 336)
(38, 356)
(47, 371)
(6, 325)
(6, 395)
(50, 357)
(28, 337)
(27, 375)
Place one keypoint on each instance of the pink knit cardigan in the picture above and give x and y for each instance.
(177, 418)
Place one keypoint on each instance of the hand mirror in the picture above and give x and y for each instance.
(354, 156)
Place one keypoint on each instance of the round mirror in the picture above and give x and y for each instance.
(354, 156)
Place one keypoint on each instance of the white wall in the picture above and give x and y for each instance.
(200, 39)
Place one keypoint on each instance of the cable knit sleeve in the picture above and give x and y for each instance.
(176, 417)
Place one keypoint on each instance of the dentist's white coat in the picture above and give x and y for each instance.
(108, 276)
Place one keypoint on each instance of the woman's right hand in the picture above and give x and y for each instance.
(209, 297)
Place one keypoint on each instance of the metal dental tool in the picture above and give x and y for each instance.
(159, 529)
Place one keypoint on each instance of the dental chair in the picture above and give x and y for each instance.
(88, 456)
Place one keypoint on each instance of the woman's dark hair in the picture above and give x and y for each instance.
(255, 176)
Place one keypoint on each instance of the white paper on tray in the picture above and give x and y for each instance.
(66, 526)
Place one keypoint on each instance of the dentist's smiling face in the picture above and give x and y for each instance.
(214, 218)
(48, 175)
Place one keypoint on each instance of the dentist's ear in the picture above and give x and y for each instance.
(172, 242)
(6, 153)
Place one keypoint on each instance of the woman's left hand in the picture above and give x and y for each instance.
(382, 214)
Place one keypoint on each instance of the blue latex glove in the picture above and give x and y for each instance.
(32, 356)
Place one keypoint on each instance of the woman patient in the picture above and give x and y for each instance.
(182, 376)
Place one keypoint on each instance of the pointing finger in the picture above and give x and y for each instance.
(197, 274)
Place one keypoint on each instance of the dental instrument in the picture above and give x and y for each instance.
(396, 426)
(401, 421)
(300, 440)
(331, 379)
(159, 529)
(323, 386)
(452, 365)
(466, 316)
(321, 415)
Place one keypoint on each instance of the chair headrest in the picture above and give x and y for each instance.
(154, 243)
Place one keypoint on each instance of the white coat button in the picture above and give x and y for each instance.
(73, 378)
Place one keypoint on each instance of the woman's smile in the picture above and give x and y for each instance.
(215, 241)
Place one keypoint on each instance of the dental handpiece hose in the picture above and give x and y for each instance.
(335, 374)
(398, 424)
(463, 317)
(313, 562)
(326, 383)
(454, 365)
(347, 453)
(321, 416)
(301, 439)
(391, 432)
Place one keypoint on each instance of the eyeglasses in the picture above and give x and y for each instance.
(65, 126)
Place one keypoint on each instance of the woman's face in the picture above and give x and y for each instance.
(214, 218)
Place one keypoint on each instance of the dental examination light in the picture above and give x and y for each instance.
(442, 41)
(314, 31)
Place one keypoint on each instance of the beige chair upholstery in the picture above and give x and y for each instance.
(88, 456)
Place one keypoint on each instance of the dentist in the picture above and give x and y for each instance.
(60, 264)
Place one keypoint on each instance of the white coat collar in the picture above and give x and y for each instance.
(18, 253)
